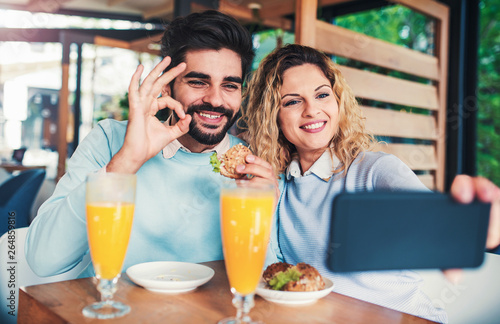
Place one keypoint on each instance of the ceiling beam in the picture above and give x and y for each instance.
(244, 13)
(149, 44)
(162, 10)
(287, 7)
(112, 3)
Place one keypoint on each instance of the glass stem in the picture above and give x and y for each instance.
(243, 304)
(107, 288)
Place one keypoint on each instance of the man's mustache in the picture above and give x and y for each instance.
(208, 107)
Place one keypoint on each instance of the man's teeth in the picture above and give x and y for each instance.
(314, 126)
(209, 116)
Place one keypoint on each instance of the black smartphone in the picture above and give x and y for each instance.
(406, 230)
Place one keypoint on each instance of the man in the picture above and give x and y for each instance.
(207, 56)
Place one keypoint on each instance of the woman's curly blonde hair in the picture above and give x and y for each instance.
(263, 102)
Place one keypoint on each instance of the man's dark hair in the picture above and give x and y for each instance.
(207, 30)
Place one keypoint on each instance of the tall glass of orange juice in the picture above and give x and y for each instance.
(246, 218)
(110, 201)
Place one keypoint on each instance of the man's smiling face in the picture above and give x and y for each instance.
(210, 91)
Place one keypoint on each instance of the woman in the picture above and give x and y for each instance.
(303, 118)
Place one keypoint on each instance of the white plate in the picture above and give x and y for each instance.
(294, 297)
(170, 277)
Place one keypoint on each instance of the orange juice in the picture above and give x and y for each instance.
(246, 220)
(108, 226)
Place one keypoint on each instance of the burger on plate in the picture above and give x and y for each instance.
(286, 277)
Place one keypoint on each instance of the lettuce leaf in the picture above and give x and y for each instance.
(214, 161)
(282, 278)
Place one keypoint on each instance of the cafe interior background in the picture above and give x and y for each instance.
(65, 65)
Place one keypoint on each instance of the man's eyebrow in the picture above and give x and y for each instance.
(234, 79)
(200, 75)
(197, 75)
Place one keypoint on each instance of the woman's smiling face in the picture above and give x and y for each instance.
(309, 111)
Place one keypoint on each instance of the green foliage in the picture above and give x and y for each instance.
(214, 161)
(266, 41)
(488, 98)
(117, 109)
(394, 24)
(282, 278)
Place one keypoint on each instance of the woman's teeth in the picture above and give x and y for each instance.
(314, 126)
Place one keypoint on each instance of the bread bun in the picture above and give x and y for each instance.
(273, 269)
(231, 159)
(310, 280)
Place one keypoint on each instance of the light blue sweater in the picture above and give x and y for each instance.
(304, 226)
(176, 216)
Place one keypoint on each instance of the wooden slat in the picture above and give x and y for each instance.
(417, 157)
(427, 7)
(244, 13)
(386, 122)
(62, 125)
(442, 39)
(111, 42)
(384, 88)
(305, 33)
(374, 51)
(428, 180)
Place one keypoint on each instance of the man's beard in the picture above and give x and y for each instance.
(197, 133)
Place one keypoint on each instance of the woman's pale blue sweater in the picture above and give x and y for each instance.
(305, 211)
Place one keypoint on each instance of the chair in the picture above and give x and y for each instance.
(19, 274)
(4, 175)
(17, 196)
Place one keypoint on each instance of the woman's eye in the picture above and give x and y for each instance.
(290, 103)
(323, 95)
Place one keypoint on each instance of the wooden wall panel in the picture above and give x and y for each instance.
(429, 180)
(386, 122)
(417, 157)
(442, 39)
(384, 88)
(374, 51)
(429, 8)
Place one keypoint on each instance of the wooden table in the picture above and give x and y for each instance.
(10, 167)
(62, 302)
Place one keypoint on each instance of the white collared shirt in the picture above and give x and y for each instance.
(172, 148)
(323, 167)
